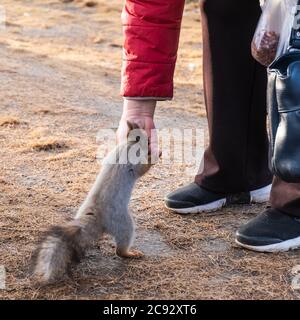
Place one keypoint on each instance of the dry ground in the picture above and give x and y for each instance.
(59, 82)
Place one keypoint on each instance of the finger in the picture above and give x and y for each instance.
(122, 132)
(154, 146)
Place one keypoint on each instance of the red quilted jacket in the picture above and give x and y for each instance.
(151, 35)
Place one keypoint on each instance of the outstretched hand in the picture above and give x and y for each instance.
(141, 113)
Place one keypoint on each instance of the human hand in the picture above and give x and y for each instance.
(140, 113)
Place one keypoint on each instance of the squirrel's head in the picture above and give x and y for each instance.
(133, 154)
(138, 151)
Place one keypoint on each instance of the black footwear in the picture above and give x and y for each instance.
(271, 231)
(195, 199)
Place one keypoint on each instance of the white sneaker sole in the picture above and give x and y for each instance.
(209, 207)
(257, 196)
(284, 246)
(261, 195)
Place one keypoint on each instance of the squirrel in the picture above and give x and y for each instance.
(105, 210)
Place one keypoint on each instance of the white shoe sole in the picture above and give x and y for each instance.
(210, 207)
(284, 246)
(261, 195)
(257, 196)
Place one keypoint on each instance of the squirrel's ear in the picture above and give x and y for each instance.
(132, 126)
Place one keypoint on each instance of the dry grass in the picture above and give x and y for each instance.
(90, 4)
(67, 91)
(9, 121)
(85, 3)
(47, 144)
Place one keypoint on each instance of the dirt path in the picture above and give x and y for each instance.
(59, 82)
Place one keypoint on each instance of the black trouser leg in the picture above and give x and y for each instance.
(235, 93)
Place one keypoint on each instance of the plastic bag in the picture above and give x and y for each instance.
(272, 35)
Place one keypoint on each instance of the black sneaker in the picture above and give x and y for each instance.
(195, 199)
(271, 231)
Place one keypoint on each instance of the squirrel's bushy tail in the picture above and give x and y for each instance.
(60, 247)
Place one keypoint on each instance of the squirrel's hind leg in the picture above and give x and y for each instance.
(124, 236)
(132, 254)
